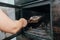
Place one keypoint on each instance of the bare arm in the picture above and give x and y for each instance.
(10, 26)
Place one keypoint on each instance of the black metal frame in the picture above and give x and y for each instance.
(19, 7)
(24, 5)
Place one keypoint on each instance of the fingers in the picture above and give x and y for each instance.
(24, 22)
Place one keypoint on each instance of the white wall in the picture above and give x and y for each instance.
(7, 1)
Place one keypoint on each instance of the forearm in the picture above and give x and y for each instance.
(8, 25)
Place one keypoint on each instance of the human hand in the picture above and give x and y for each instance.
(24, 22)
